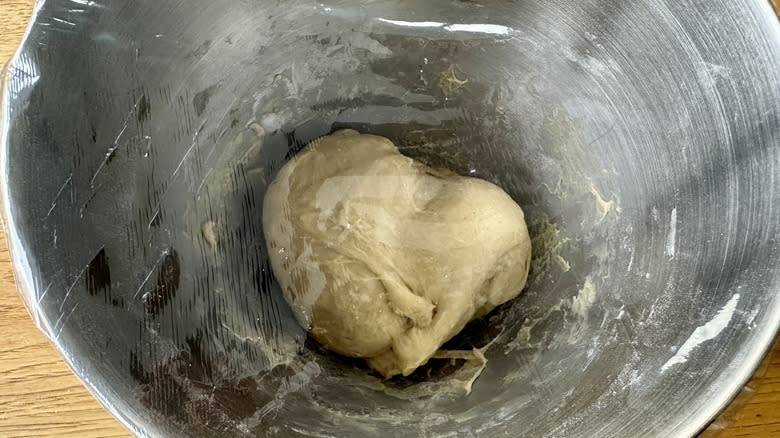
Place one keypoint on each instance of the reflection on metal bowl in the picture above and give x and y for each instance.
(641, 138)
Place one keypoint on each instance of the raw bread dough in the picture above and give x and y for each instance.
(384, 258)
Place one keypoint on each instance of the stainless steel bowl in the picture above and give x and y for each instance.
(643, 139)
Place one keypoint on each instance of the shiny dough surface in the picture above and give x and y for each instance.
(384, 258)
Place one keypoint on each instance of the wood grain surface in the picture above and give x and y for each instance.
(40, 396)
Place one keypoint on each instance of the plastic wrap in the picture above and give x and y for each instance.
(641, 140)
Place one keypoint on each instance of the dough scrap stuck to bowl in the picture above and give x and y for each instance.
(384, 258)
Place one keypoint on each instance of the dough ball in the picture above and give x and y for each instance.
(384, 258)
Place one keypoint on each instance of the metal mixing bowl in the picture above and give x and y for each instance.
(641, 137)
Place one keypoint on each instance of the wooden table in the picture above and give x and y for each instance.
(40, 397)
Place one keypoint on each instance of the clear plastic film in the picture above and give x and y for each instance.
(139, 141)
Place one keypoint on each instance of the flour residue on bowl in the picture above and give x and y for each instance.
(704, 333)
(546, 242)
(671, 238)
(582, 302)
(602, 206)
(560, 136)
(575, 309)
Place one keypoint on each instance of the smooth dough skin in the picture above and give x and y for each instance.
(384, 258)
